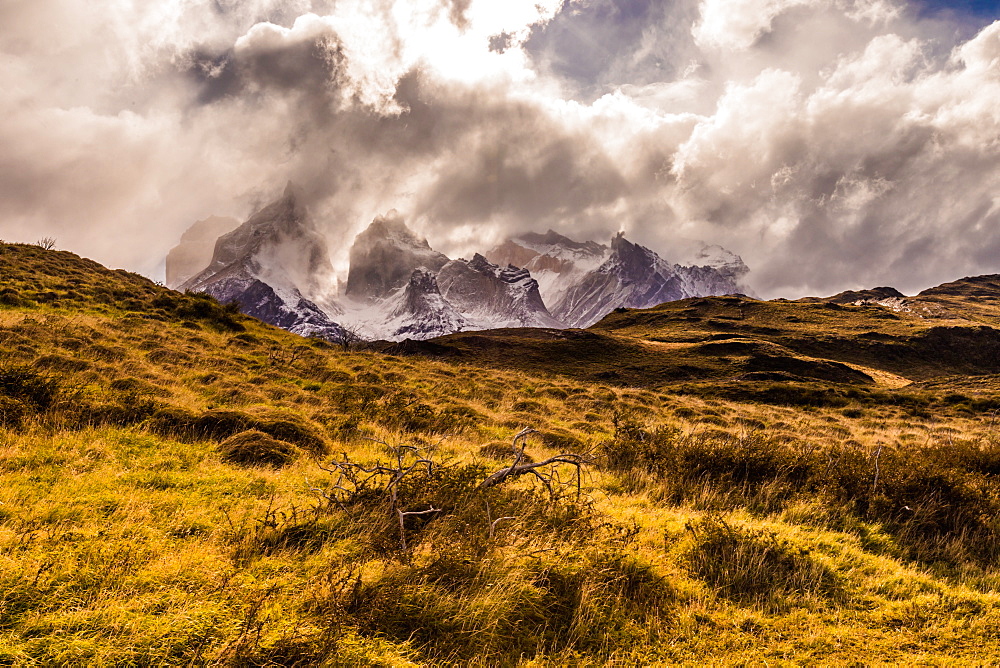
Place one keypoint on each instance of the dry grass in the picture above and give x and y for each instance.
(717, 523)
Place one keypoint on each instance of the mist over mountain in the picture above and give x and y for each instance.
(276, 266)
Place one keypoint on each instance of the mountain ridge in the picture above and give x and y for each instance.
(537, 280)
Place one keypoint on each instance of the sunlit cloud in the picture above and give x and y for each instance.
(832, 143)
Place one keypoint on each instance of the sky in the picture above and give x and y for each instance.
(833, 144)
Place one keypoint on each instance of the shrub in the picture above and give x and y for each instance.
(11, 297)
(12, 413)
(173, 422)
(753, 565)
(61, 363)
(29, 386)
(132, 410)
(255, 448)
(221, 423)
(938, 502)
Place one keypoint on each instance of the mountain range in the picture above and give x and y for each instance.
(276, 267)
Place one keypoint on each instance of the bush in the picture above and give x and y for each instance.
(29, 386)
(938, 502)
(458, 609)
(174, 422)
(220, 423)
(12, 413)
(753, 565)
(255, 448)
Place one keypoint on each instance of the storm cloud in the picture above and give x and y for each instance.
(834, 144)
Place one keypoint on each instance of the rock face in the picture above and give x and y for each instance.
(385, 256)
(194, 252)
(493, 297)
(635, 277)
(422, 313)
(277, 267)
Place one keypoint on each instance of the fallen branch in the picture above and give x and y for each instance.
(518, 469)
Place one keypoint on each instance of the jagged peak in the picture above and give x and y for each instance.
(392, 227)
(292, 191)
(623, 248)
(512, 274)
(481, 264)
(287, 212)
(551, 238)
(423, 281)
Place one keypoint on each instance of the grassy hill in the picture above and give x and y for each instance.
(733, 480)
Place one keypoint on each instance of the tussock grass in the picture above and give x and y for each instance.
(255, 448)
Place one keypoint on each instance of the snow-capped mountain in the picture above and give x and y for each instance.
(555, 261)
(440, 295)
(633, 276)
(421, 312)
(581, 282)
(276, 265)
(492, 296)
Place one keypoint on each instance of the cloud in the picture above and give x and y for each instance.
(833, 143)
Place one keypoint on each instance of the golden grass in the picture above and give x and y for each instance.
(126, 539)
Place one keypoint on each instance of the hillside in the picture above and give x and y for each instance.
(747, 481)
(741, 342)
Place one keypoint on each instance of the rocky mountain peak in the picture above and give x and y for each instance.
(422, 313)
(384, 257)
(481, 264)
(277, 266)
(492, 296)
(554, 243)
(630, 260)
(512, 274)
(287, 218)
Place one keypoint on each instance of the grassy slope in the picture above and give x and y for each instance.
(734, 339)
(830, 522)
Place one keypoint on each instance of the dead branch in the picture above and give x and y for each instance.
(353, 480)
(411, 513)
(547, 478)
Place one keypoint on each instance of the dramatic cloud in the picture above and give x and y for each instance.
(833, 143)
